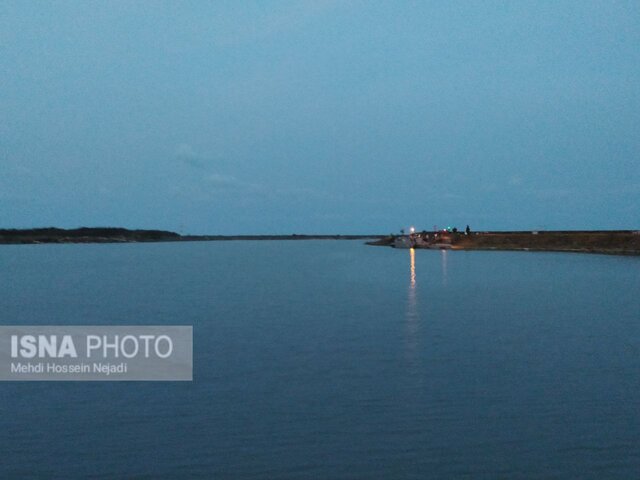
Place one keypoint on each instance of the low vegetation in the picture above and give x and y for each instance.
(84, 235)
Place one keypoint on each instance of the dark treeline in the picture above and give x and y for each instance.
(84, 234)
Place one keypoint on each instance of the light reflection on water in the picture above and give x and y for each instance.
(412, 256)
(412, 317)
(444, 266)
(412, 313)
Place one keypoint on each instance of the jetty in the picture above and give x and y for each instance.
(617, 242)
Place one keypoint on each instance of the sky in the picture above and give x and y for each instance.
(232, 117)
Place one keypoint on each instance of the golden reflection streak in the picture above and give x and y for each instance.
(412, 323)
(412, 255)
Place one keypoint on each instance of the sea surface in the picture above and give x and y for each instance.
(332, 359)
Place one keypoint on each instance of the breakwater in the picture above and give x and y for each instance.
(619, 242)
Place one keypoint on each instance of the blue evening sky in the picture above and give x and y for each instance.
(320, 117)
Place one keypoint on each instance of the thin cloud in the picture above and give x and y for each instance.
(219, 181)
(515, 180)
(186, 154)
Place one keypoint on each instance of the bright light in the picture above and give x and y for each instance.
(412, 229)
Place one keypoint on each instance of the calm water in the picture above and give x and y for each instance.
(330, 359)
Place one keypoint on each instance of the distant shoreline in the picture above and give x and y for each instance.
(208, 238)
(122, 235)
